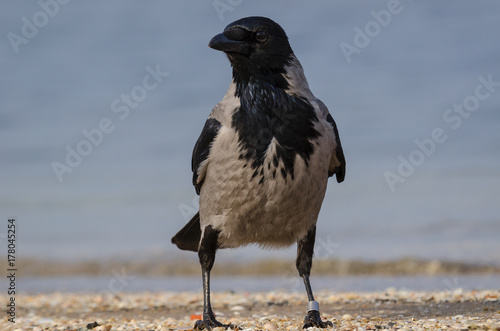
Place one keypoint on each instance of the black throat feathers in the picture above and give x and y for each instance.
(268, 112)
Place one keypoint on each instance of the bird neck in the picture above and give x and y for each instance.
(252, 79)
(259, 96)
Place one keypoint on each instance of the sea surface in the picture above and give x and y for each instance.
(259, 284)
(101, 103)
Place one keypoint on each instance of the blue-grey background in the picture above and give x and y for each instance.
(131, 194)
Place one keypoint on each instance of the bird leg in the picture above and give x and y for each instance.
(305, 250)
(206, 254)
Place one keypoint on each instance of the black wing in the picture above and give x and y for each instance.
(338, 170)
(201, 151)
(189, 236)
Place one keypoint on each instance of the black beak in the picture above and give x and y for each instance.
(222, 43)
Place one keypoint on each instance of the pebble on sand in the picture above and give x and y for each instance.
(347, 317)
(269, 327)
(166, 311)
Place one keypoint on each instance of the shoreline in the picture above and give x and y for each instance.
(121, 280)
(273, 310)
(161, 267)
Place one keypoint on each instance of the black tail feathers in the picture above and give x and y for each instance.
(189, 236)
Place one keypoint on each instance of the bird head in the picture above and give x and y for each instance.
(256, 47)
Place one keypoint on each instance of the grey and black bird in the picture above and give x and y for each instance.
(263, 159)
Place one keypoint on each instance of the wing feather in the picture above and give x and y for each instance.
(337, 162)
(201, 151)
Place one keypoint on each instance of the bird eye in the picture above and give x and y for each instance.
(261, 36)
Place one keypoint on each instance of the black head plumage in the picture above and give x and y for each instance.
(256, 47)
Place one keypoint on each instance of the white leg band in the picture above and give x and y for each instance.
(312, 305)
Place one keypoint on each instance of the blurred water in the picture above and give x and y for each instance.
(252, 284)
(133, 191)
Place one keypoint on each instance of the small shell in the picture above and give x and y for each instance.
(269, 327)
(347, 317)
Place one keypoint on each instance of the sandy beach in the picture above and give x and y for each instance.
(276, 310)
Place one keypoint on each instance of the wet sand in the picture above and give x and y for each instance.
(275, 310)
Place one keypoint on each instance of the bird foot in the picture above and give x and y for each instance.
(210, 322)
(313, 319)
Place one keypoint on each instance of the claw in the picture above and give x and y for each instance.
(313, 319)
(210, 322)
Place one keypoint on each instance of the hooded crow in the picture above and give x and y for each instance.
(262, 161)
